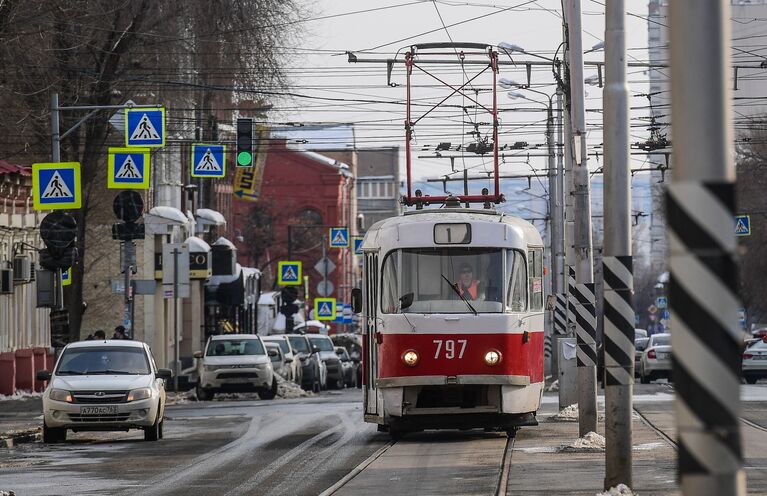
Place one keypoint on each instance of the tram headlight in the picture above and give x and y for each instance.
(410, 358)
(493, 357)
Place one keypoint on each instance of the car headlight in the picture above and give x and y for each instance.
(410, 358)
(262, 366)
(493, 357)
(139, 394)
(60, 395)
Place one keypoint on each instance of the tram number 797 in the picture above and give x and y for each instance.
(450, 348)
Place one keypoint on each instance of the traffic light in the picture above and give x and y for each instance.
(289, 307)
(245, 143)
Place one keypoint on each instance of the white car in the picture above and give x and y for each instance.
(111, 385)
(235, 363)
(280, 364)
(323, 346)
(755, 362)
(295, 367)
(656, 358)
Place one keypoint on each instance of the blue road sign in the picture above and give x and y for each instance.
(664, 314)
(357, 245)
(289, 273)
(661, 302)
(325, 308)
(339, 237)
(742, 225)
(145, 127)
(128, 168)
(208, 160)
(56, 186)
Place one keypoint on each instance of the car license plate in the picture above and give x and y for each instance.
(760, 357)
(663, 356)
(98, 410)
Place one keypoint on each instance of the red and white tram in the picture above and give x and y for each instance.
(453, 315)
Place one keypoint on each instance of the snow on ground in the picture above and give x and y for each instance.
(289, 389)
(20, 395)
(648, 446)
(620, 490)
(7, 493)
(567, 413)
(554, 386)
(285, 389)
(590, 442)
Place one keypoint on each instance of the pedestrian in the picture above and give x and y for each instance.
(99, 335)
(119, 333)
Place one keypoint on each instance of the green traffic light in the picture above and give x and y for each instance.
(244, 158)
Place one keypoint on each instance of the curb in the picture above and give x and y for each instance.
(10, 439)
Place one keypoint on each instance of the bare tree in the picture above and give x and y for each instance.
(102, 52)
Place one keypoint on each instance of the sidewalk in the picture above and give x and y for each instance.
(19, 421)
(540, 465)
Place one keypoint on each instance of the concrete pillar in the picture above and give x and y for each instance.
(25, 373)
(7, 373)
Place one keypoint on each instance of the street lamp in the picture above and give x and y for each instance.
(510, 48)
(593, 80)
(597, 47)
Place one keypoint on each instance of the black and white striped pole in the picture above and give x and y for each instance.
(706, 341)
(617, 264)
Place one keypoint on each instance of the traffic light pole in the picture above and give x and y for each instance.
(176, 344)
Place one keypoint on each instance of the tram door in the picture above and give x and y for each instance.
(371, 326)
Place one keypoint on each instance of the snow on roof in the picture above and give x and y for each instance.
(269, 298)
(197, 245)
(211, 216)
(169, 213)
(222, 241)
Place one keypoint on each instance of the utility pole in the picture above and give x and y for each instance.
(700, 202)
(617, 263)
(176, 344)
(584, 271)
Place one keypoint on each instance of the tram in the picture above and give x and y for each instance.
(453, 313)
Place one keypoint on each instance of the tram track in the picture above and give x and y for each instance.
(656, 429)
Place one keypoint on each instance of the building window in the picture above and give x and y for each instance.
(376, 189)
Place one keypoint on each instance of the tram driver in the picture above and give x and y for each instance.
(467, 286)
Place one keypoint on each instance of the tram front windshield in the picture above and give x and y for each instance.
(453, 280)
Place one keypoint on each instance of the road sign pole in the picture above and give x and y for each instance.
(617, 264)
(700, 201)
(290, 243)
(325, 258)
(55, 140)
(176, 347)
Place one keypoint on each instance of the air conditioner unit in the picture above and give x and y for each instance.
(22, 269)
(6, 281)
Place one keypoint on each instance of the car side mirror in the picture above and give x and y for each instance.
(166, 374)
(43, 375)
(272, 353)
(339, 352)
(551, 301)
(356, 300)
(406, 300)
(355, 360)
(315, 348)
(197, 354)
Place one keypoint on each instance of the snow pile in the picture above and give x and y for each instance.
(620, 490)
(648, 446)
(289, 389)
(180, 398)
(590, 442)
(554, 386)
(569, 413)
(20, 395)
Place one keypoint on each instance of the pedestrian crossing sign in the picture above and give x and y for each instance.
(208, 160)
(128, 168)
(56, 186)
(145, 127)
(358, 245)
(289, 273)
(742, 225)
(339, 237)
(66, 277)
(325, 308)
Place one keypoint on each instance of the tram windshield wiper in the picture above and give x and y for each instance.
(454, 287)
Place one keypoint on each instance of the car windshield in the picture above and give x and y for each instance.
(448, 280)
(299, 344)
(322, 343)
(342, 354)
(641, 343)
(661, 340)
(234, 347)
(284, 346)
(120, 360)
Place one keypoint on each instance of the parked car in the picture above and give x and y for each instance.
(294, 366)
(280, 364)
(312, 327)
(656, 358)
(314, 370)
(235, 363)
(755, 362)
(347, 367)
(111, 385)
(324, 346)
(640, 344)
(640, 333)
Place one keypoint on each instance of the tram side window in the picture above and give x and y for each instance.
(390, 284)
(516, 298)
(535, 257)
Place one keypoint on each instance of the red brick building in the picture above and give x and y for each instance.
(299, 189)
